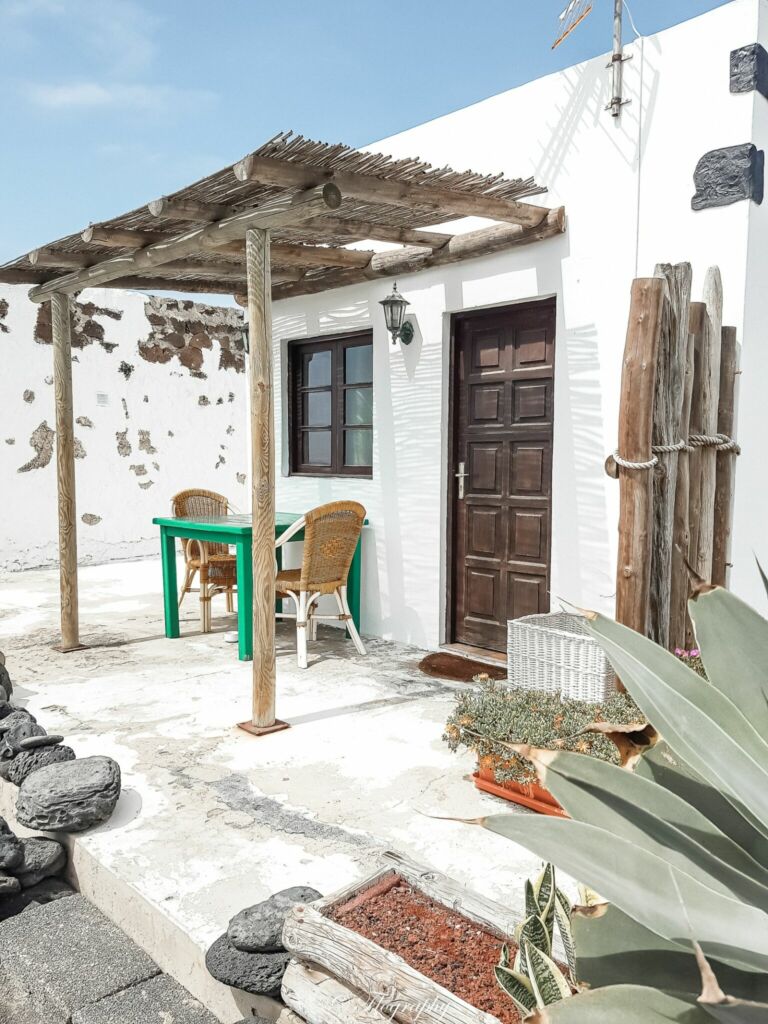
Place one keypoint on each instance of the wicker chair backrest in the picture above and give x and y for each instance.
(201, 503)
(331, 534)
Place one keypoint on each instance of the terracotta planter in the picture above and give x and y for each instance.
(532, 795)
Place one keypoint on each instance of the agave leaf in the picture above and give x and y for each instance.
(638, 810)
(534, 930)
(763, 577)
(661, 897)
(624, 1004)
(547, 981)
(698, 722)
(516, 985)
(613, 949)
(724, 624)
(660, 765)
(564, 927)
(531, 903)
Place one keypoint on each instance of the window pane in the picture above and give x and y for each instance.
(317, 409)
(317, 447)
(358, 406)
(317, 369)
(358, 364)
(358, 447)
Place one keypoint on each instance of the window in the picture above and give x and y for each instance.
(331, 400)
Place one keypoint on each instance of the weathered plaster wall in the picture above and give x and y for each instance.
(627, 186)
(159, 403)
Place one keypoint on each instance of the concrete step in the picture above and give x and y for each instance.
(65, 963)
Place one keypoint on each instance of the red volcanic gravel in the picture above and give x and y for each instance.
(443, 945)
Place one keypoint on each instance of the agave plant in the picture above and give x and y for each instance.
(679, 845)
(533, 980)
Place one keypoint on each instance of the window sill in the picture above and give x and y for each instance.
(329, 476)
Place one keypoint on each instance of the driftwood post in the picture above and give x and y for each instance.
(262, 481)
(667, 408)
(725, 459)
(709, 387)
(65, 472)
(638, 381)
(698, 325)
(679, 583)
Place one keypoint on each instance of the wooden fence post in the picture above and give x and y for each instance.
(65, 472)
(638, 381)
(726, 460)
(709, 387)
(679, 582)
(667, 408)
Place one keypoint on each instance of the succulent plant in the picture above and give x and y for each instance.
(679, 845)
(533, 979)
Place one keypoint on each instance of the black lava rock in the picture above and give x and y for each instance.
(42, 858)
(9, 885)
(69, 797)
(37, 895)
(725, 176)
(29, 761)
(11, 851)
(749, 69)
(261, 974)
(259, 928)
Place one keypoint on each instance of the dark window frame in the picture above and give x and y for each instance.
(337, 344)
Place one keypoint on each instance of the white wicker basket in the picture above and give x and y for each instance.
(554, 653)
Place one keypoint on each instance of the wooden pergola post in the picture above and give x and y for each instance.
(65, 472)
(257, 258)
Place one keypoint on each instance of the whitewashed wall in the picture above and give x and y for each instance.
(627, 188)
(175, 441)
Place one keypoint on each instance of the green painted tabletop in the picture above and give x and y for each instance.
(239, 523)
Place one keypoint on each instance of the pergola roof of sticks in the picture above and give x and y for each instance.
(275, 225)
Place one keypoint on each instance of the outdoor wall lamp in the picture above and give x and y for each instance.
(394, 316)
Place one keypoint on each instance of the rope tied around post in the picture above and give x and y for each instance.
(721, 442)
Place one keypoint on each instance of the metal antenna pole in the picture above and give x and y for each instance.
(617, 62)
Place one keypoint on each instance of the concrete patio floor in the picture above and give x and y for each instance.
(211, 819)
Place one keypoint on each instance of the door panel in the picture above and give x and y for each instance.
(503, 406)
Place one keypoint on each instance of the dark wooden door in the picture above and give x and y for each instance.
(502, 506)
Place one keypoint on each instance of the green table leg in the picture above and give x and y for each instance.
(244, 600)
(354, 582)
(170, 585)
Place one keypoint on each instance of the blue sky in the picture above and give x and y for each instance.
(106, 104)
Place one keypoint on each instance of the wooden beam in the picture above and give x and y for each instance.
(710, 387)
(276, 213)
(48, 258)
(681, 537)
(667, 407)
(635, 438)
(204, 213)
(698, 326)
(262, 477)
(469, 245)
(359, 229)
(21, 275)
(291, 174)
(121, 238)
(65, 472)
(726, 461)
(297, 255)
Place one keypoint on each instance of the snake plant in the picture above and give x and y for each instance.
(533, 980)
(679, 844)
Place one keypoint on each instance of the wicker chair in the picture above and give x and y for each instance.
(331, 533)
(214, 563)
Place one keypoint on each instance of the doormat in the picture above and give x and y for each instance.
(459, 670)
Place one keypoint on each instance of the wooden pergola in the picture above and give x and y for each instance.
(273, 226)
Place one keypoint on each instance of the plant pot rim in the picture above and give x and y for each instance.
(530, 795)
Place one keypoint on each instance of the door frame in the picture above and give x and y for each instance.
(453, 432)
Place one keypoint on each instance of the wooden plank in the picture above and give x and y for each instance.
(667, 407)
(319, 998)
(202, 213)
(65, 472)
(679, 583)
(262, 476)
(121, 238)
(638, 382)
(395, 986)
(63, 260)
(710, 387)
(292, 174)
(283, 210)
(726, 461)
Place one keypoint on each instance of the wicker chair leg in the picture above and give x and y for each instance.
(312, 621)
(301, 630)
(230, 602)
(341, 597)
(187, 584)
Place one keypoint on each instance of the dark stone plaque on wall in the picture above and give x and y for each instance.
(725, 176)
(749, 69)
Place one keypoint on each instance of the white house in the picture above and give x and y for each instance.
(549, 318)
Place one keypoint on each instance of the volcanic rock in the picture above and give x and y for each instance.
(39, 740)
(29, 761)
(69, 797)
(259, 928)
(11, 852)
(258, 973)
(9, 885)
(42, 858)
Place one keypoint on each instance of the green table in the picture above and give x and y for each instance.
(236, 530)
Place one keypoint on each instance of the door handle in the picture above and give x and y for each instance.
(461, 476)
